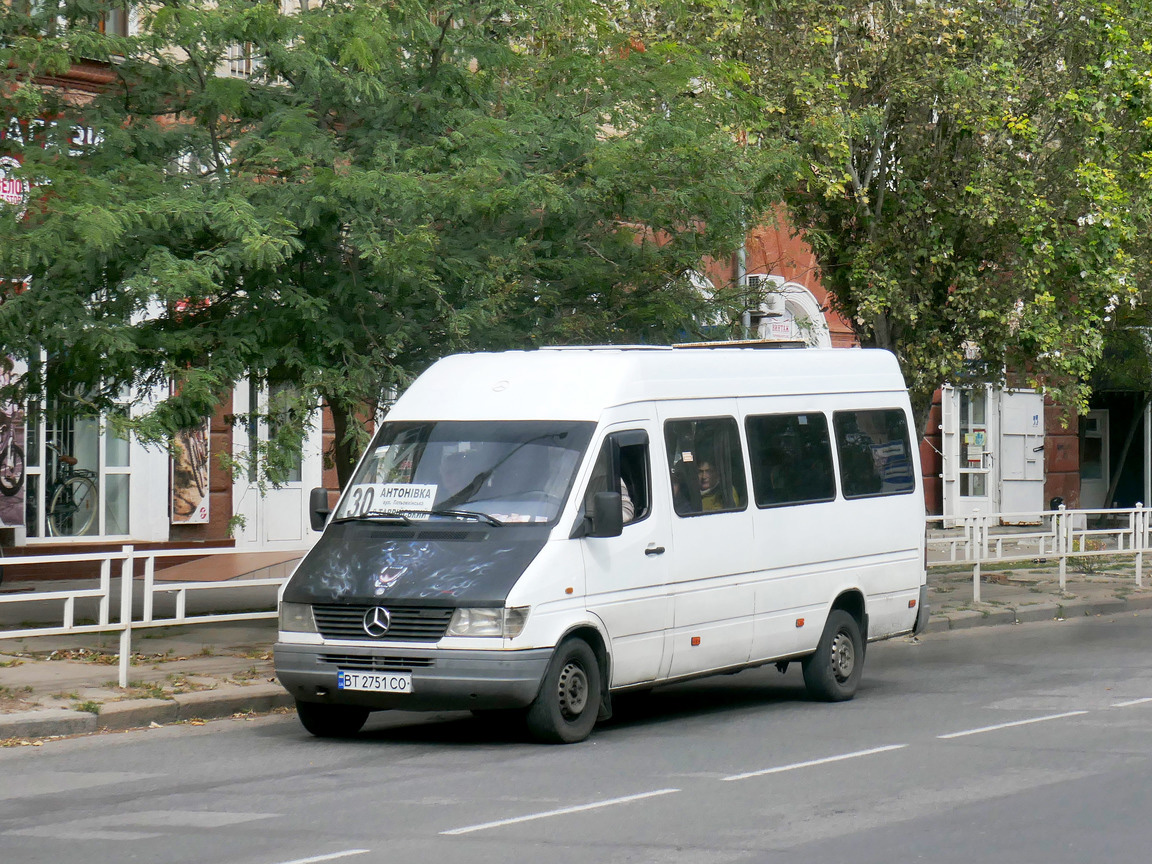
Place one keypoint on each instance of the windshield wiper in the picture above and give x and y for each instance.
(480, 479)
(377, 516)
(468, 514)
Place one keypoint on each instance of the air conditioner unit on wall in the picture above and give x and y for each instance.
(773, 305)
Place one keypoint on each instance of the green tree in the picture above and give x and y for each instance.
(972, 174)
(374, 185)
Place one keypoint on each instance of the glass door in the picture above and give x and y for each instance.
(969, 437)
(976, 458)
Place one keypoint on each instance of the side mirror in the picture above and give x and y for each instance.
(318, 508)
(607, 515)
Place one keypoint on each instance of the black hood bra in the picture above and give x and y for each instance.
(429, 564)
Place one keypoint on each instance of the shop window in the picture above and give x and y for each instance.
(79, 474)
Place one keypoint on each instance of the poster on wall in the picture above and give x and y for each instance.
(190, 476)
(12, 485)
(13, 188)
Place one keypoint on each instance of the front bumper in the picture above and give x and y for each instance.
(441, 680)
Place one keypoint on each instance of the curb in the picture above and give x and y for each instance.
(968, 618)
(224, 701)
(230, 699)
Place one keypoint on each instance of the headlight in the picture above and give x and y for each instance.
(297, 618)
(489, 621)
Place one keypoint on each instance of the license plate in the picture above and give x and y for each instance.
(375, 682)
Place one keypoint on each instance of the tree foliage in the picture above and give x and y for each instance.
(381, 183)
(972, 174)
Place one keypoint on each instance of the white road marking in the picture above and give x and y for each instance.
(183, 818)
(53, 832)
(28, 785)
(347, 853)
(1131, 702)
(1010, 725)
(812, 762)
(561, 812)
(121, 826)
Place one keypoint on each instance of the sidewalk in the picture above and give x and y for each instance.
(53, 686)
(65, 685)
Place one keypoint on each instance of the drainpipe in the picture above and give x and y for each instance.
(746, 315)
(1147, 452)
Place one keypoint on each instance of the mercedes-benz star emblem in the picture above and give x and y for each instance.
(377, 620)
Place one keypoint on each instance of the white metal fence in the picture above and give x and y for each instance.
(1062, 534)
(976, 541)
(135, 600)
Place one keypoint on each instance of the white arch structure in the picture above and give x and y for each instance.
(800, 316)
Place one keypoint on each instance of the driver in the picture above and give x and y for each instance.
(456, 472)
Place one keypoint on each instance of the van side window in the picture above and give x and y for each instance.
(791, 459)
(632, 476)
(875, 455)
(706, 466)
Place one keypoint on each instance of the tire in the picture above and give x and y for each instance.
(833, 672)
(11, 470)
(568, 703)
(72, 509)
(331, 721)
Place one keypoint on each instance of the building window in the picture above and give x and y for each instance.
(283, 402)
(242, 60)
(114, 22)
(79, 475)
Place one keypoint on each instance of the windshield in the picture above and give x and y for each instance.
(511, 471)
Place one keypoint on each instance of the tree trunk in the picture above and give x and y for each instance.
(1144, 399)
(345, 449)
(921, 411)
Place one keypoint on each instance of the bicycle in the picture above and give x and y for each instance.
(11, 457)
(73, 497)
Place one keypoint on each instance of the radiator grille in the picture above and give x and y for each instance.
(409, 623)
(375, 664)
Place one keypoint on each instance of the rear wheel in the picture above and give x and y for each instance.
(331, 721)
(833, 672)
(11, 469)
(566, 708)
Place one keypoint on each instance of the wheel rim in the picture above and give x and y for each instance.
(843, 656)
(573, 690)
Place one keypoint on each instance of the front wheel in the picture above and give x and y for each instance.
(566, 708)
(72, 509)
(833, 672)
(331, 721)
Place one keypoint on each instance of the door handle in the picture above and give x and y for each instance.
(654, 550)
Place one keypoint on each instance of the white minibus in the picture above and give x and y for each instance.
(536, 531)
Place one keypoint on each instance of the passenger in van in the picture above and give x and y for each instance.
(713, 495)
(626, 504)
(599, 483)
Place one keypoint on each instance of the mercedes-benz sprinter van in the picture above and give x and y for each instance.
(538, 530)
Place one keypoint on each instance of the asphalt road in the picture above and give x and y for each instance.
(1005, 744)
